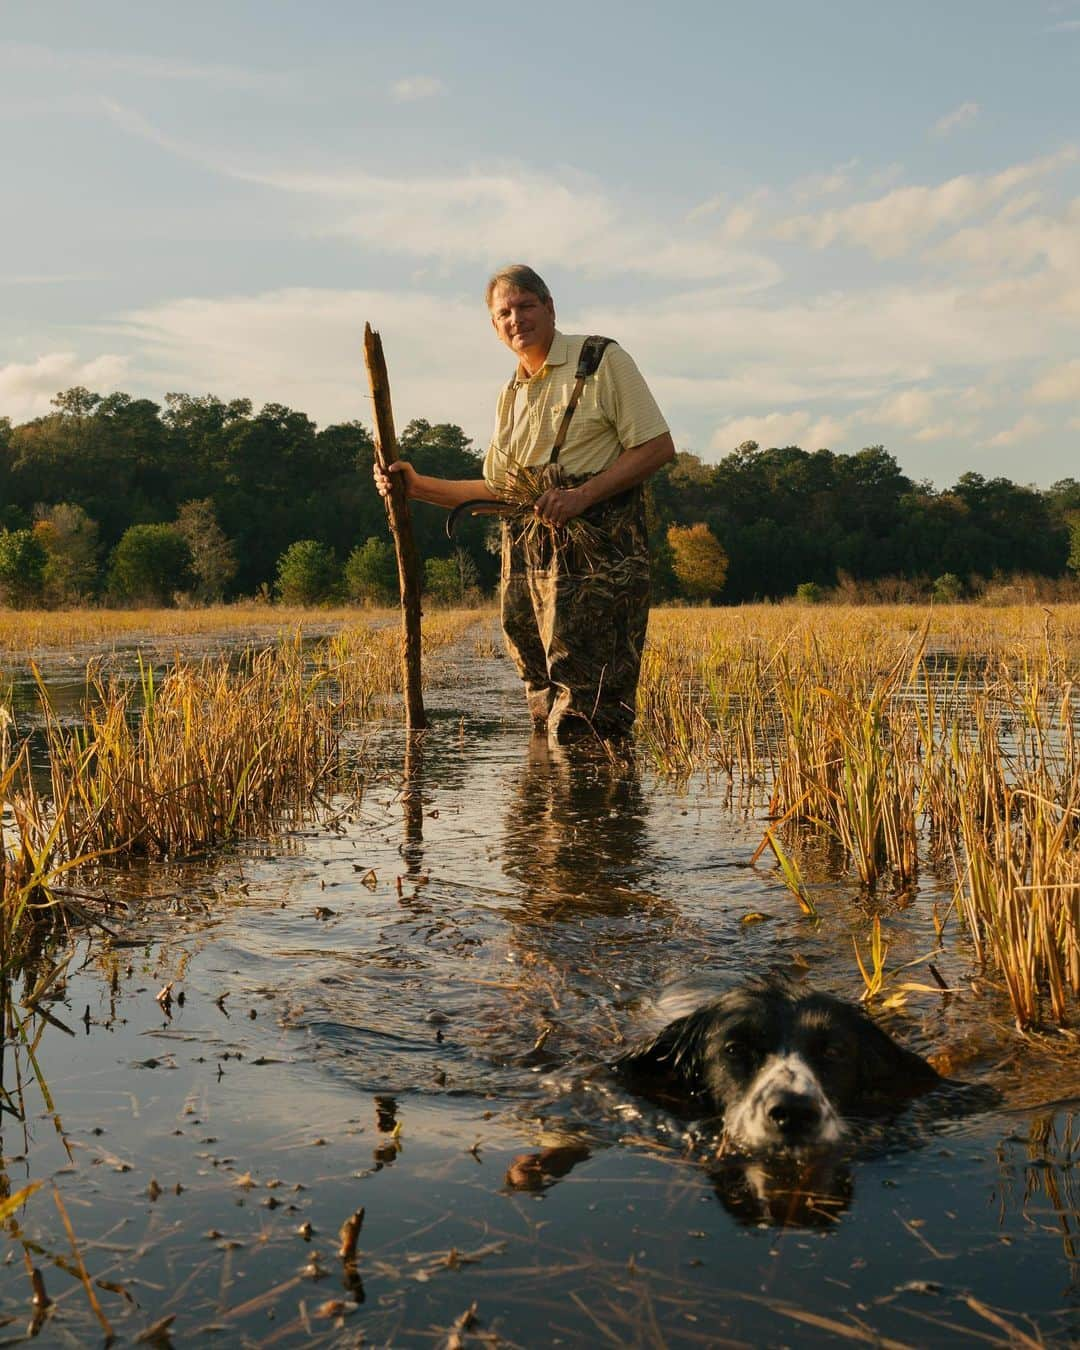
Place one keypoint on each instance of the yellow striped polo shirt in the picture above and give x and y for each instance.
(616, 411)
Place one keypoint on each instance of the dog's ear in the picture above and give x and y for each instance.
(675, 1052)
(889, 1071)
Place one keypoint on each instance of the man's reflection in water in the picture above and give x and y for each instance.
(575, 829)
(575, 840)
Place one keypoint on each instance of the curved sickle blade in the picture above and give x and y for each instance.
(478, 506)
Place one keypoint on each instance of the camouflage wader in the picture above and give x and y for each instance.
(575, 605)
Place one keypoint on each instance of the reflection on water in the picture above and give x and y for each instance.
(404, 1014)
(412, 803)
(574, 833)
(782, 1192)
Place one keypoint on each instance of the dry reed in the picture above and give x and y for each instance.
(182, 759)
(900, 732)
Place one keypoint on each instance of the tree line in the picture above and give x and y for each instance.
(126, 500)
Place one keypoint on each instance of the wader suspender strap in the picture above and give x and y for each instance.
(592, 350)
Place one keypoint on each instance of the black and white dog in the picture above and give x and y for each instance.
(784, 1070)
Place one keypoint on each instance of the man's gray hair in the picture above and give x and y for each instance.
(521, 278)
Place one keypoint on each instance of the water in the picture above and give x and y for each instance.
(401, 1012)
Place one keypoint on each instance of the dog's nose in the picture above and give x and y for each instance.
(795, 1115)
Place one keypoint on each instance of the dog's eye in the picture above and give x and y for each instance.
(734, 1049)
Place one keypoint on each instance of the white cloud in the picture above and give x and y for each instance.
(965, 116)
(917, 412)
(866, 343)
(894, 224)
(304, 347)
(476, 217)
(908, 408)
(825, 184)
(779, 428)
(414, 87)
(1022, 430)
(1012, 244)
(740, 220)
(949, 429)
(1030, 264)
(1059, 385)
(27, 388)
(707, 208)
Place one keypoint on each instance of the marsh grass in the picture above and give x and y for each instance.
(904, 735)
(40, 631)
(202, 754)
(186, 756)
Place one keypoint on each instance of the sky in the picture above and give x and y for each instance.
(826, 223)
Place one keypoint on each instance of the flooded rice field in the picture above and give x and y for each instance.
(343, 1087)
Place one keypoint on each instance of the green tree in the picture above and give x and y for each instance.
(150, 564)
(444, 451)
(22, 568)
(441, 580)
(948, 588)
(1074, 543)
(370, 573)
(213, 558)
(699, 560)
(307, 573)
(70, 539)
(450, 580)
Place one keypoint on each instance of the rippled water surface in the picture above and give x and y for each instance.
(398, 1011)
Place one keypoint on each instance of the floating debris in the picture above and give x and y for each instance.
(350, 1232)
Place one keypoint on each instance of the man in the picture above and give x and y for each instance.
(575, 563)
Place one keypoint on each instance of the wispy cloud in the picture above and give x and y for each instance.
(966, 115)
(414, 87)
(825, 184)
(100, 63)
(1024, 429)
(1059, 385)
(474, 216)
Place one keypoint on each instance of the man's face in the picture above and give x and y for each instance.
(522, 320)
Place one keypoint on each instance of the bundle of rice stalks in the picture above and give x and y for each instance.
(523, 489)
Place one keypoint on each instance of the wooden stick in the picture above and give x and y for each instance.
(397, 510)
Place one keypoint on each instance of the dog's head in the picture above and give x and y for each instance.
(784, 1070)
